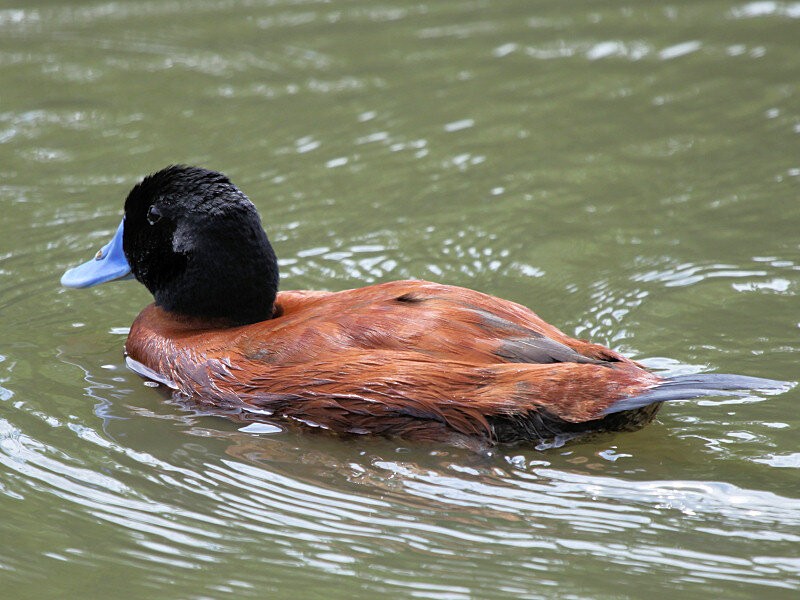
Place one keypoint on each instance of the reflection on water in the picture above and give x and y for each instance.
(627, 170)
(347, 508)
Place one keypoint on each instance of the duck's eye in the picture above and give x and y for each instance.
(153, 215)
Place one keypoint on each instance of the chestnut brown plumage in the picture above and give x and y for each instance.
(407, 358)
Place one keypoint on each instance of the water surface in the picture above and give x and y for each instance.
(629, 170)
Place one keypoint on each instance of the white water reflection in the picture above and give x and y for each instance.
(592, 161)
(449, 509)
(767, 8)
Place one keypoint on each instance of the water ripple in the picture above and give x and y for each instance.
(767, 8)
(686, 274)
(524, 149)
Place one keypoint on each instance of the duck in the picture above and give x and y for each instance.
(412, 359)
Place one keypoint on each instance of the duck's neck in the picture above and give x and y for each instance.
(230, 289)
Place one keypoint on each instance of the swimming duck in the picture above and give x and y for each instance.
(414, 359)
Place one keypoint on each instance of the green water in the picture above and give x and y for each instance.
(630, 170)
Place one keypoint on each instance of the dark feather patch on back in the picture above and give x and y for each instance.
(411, 298)
(539, 349)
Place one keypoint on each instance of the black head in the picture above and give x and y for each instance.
(196, 241)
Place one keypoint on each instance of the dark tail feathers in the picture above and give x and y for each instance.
(684, 387)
